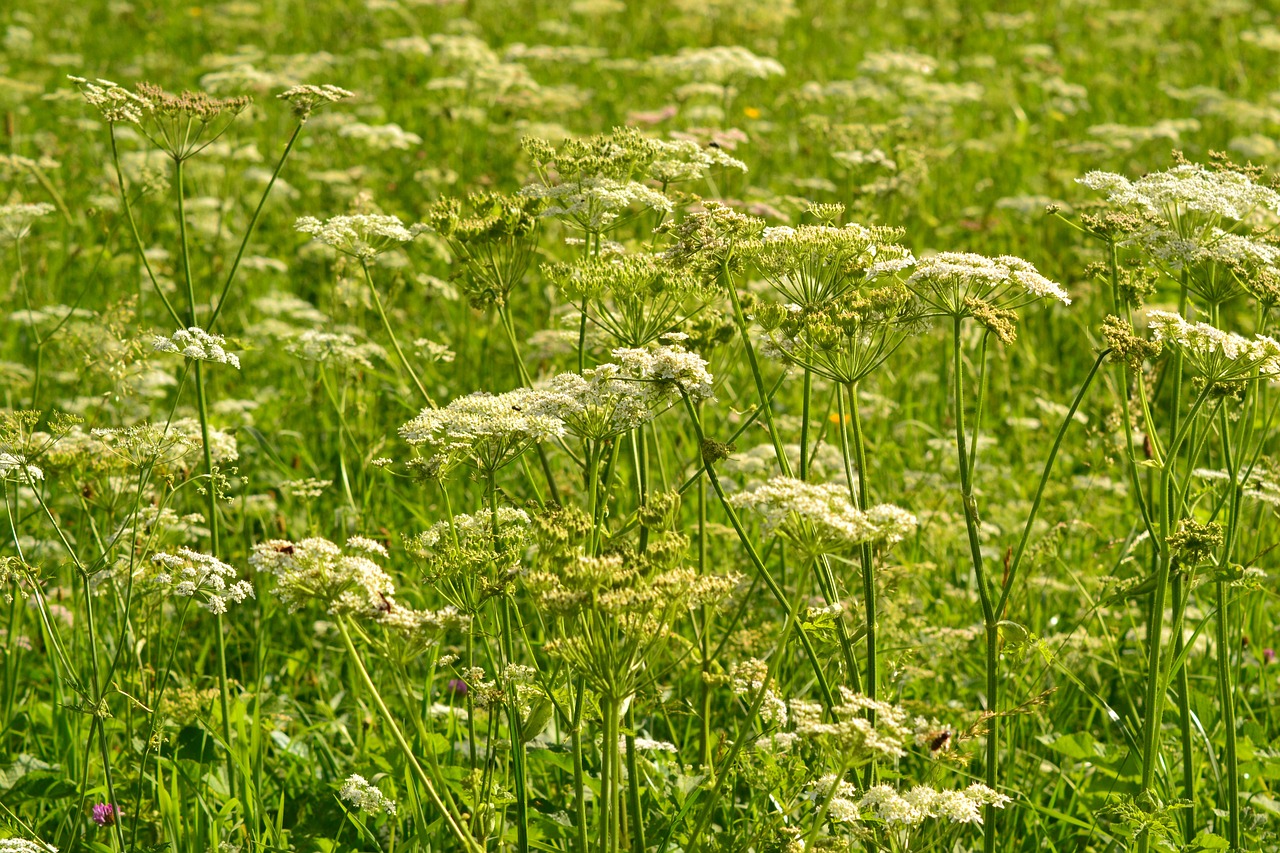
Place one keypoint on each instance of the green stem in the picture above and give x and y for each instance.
(395, 343)
(446, 814)
(740, 318)
(756, 562)
(989, 617)
(248, 233)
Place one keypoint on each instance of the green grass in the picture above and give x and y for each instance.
(1099, 487)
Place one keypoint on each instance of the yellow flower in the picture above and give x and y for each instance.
(751, 112)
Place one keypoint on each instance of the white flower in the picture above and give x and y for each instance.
(1188, 187)
(365, 797)
(820, 519)
(948, 280)
(382, 137)
(316, 569)
(116, 103)
(1219, 356)
(23, 845)
(16, 464)
(360, 235)
(16, 219)
(489, 430)
(190, 573)
(667, 371)
(719, 64)
(306, 99)
(334, 347)
(197, 344)
(596, 203)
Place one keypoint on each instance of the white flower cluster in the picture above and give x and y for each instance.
(857, 736)
(747, 680)
(360, 235)
(197, 344)
(1217, 355)
(1188, 187)
(364, 796)
(12, 464)
(667, 372)
(469, 531)
(680, 160)
(116, 103)
(819, 518)
(316, 569)
(719, 64)
(596, 203)
(381, 137)
(488, 430)
(613, 398)
(334, 347)
(306, 99)
(16, 219)
(923, 803)
(948, 280)
(23, 845)
(1214, 247)
(191, 573)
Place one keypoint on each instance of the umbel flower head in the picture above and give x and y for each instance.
(198, 345)
(494, 235)
(819, 519)
(361, 235)
(365, 797)
(1190, 196)
(850, 732)
(813, 265)
(635, 298)
(1216, 355)
(467, 544)
(342, 580)
(191, 574)
(306, 99)
(713, 239)
(613, 398)
(485, 430)
(16, 465)
(16, 219)
(1216, 265)
(593, 183)
(962, 284)
(885, 804)
(181, 125)
(845, 340)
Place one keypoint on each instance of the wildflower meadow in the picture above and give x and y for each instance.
(670, 426)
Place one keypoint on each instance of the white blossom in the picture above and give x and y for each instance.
(365, 796)
(198, 345)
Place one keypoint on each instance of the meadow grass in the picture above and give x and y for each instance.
(674, 426)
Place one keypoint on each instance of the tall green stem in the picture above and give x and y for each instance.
(989, 617)
(395, 343)
(468, 842)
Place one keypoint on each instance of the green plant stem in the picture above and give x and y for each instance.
(807, 394)
(868, 560)
(740, 318)
(468, 842)
(989, 618)
(1155, 687)
(248, 232)
(395, 343)
(763, 571)
(137, 238)
(513, 705)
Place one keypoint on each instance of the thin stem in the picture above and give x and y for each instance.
(248, 233)
(446, 814)
(395, 343)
